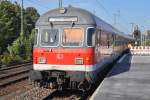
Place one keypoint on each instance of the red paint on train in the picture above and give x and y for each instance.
(64, 56)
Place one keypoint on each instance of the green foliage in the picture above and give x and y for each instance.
(30, 17)
(20, 50)
(9, 23)
(1, 59)
(148, 34)
(6, 59)
(29, 45)
(148, 42)
(15, 46)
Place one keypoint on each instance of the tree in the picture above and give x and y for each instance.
(20, 50)
(9, 23)
(30, 17)
(13, 45)
(148, 34)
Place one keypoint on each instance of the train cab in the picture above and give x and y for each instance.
(71, 47)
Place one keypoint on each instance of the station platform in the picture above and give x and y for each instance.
(129, 79)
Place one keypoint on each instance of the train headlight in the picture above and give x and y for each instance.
(41, 60)
(79, 61)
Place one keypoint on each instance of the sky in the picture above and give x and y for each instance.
(124, 12)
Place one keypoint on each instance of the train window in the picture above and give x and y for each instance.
(109, 40)
(49, 37)
(98, 37)
(104, 39)
(73, 37)
(35, 36)
(90, 37)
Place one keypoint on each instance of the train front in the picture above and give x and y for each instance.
(63, 51)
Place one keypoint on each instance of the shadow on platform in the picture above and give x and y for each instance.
(122, 67)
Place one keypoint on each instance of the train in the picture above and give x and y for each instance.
(72, 46)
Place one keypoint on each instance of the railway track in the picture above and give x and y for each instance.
(12, 74)
(34, 94)
(3, 68)
(67, 95)
(24, 91)
(49, 94)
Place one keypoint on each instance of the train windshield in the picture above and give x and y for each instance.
(50, 37)
(73, 37)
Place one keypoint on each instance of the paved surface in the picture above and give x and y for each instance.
(128, 80)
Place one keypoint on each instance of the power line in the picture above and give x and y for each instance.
(104, 9)
(109, 14)
(121, 17)
(115, 17)
(22, 26)
(60, 3)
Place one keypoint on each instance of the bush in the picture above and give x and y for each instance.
(148, 42)
(0, 59)
(21, 49)
(6, 59)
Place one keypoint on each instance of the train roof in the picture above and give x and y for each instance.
(84, 18)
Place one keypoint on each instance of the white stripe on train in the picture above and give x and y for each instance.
(87, 68)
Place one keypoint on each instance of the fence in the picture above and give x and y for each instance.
(140, 50)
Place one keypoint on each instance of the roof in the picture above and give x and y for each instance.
(84, 17)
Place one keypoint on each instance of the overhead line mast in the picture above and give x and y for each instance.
(60, 4)
(22, 22)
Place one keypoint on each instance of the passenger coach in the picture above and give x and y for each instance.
(72, 46)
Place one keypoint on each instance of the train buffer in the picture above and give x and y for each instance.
(129, 79)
